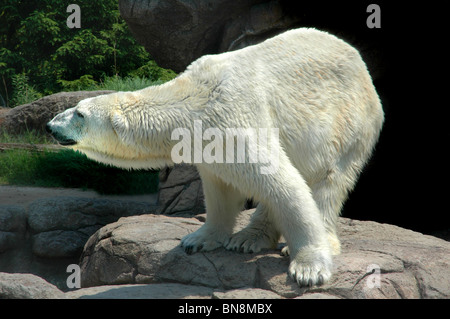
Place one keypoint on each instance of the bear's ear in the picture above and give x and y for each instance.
(120, 124)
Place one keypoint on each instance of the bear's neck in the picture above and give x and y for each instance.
(160, 110)
(171, 104)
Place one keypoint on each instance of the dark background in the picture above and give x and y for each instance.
(406, 181)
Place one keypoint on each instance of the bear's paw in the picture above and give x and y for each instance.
(310, 266)
(206, 238)
(252, 240)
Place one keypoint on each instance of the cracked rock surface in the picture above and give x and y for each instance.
(377, 261)
(43, 236)
(177, 32)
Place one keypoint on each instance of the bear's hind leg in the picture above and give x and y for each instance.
(223, 202)
(259, 234)
(329, 199)
(295, 214)
(332, 190)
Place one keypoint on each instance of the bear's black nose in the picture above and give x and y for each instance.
(48, 129)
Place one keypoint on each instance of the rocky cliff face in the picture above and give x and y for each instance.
(378, 261)
(140, 257)
(50, 233)
(177, 32)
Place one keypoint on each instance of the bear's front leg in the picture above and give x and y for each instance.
(297, 216)
(223, 202)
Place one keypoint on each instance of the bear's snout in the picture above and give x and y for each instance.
(60, 138)
(48, 128)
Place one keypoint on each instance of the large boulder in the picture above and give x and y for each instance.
(377, 261)
(177, 32)
(140, 257)
(27, 286)
(180, 191)
(47, 235)
(153, 291)
(35, 115)
(60, 226)
(12, 226)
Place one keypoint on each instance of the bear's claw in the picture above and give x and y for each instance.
(204, 239)
(310, 267)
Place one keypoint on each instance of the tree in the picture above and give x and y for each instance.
(36, 43)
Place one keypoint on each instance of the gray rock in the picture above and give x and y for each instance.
(145, 249)
(12, 226)
(246, 293)
(48, 234)
(12, 218)
(180, 191)
(35, 115)
(72, 213)
(61, 226)
(59, 243)
(153, 291)
(177, 32)
(317, 295)
(27, 286)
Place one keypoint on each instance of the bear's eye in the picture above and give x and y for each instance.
(78, 113)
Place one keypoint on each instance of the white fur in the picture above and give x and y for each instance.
(310, 85)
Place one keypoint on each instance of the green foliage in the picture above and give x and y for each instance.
(153, 71)
(23, 92)
(16, 167)
(84, 82)
(35, 40)
(67, 168)
(117, 83)
(71, 169)
(30, 137)
(40, 55)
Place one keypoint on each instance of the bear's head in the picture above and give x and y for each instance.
(98, 128)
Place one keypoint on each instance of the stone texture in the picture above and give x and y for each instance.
(154, 291)
(61, 226)
(142, 254)
(177, 32)
(180, 191)
(317, 295)
(12, 226)
(46, 235)
(145, 249)
(27, 286)
(35, 115)
(246, 293)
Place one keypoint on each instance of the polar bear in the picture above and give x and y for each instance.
(310, 86)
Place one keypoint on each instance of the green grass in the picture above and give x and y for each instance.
(125, 84)
(71, 169)
(17, 167)
(115, 83)
(86, 83)
(67, 168)
(30, 137)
